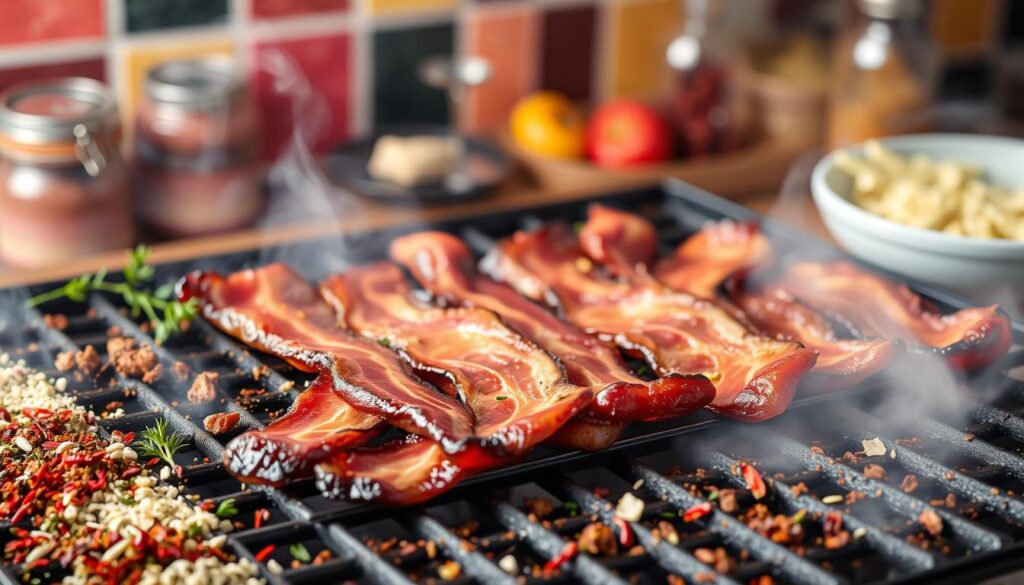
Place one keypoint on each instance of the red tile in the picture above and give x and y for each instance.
(273, 8)
(90, 68)
(284, 71)
(26, 21)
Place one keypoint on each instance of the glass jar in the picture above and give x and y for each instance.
(884, 75)
(197, 149)
(64, 188)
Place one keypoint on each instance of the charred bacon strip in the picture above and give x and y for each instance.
(675, 332)
(275, 310)
(443, 265)
(872, 306)
(706, 259)
(517, 393)
(318, 423)
(403, 472)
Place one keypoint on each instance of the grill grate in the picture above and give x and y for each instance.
(985, 474)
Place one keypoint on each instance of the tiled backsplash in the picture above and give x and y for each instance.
(359, 56)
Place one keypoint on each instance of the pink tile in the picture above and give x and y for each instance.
(274, 8)
(508, 38)
(93, 68)
(283, 71)
(27, 21)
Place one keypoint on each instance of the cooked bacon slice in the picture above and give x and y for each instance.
(318, 423)
(675, 332)
(443, 265)
(588, 434)
(517, 393)
(706, 259)
(871, 305)
(403, 472)
(623, 242)
(275, 310)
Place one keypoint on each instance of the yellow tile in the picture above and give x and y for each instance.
(639, 32)
(136, 61)
(393, 6)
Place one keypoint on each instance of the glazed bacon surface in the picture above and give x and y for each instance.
(727, 249)
(755, 377)
(318, 423)
(274, 309)
(443, 265)
(518, 395)
(870, 305)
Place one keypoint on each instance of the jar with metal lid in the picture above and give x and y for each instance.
(197, 149)
(64, 188)
(884, 74)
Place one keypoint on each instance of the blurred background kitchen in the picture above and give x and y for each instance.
(220, 123)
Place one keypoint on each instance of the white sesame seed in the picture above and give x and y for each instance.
(23, 444)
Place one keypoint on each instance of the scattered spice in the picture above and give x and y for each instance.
(181, 371)
(130, 361)
(874, 447)
(909, 483)
(624, 531)
(727, 500)
(874, 471)
(697, 511)
(835, 536)
(753, 480)
(568, 553)
(509, 564)
(204, 387)
(630, 507)
(668, 532)
(779, 528)
(931, 521)
(832, 499)
(539, 507)
(597, 539)
(221, 422)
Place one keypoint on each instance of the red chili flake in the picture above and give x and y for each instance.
(265, 552)
(50, 444)
(5, 415)
(35, 413)
(753, 480)
(152, 462)
(258, 521)
(99, 483)
(697, 511)
(569, 552)
(625, 532)
(131, 472)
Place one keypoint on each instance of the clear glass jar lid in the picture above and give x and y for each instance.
(195, 83)
(56, 112)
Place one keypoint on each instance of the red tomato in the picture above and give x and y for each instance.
(623, 133)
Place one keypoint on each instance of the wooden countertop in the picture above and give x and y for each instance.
(750, 177)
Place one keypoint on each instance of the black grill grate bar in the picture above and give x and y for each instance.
(672, 558)
(1010, 423)
(855, 424)
(473, 563)
(549, 545)
(975, 448)
(846, 478)
(790, 565)
(131, 329)
(896, 550)
(374, 566)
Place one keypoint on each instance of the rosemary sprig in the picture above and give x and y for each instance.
(164, 314)
(159, 442)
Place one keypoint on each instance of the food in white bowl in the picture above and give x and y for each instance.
(983, 267)
(945, 195)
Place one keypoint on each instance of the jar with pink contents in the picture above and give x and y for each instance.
(64, 188)
(197, 149)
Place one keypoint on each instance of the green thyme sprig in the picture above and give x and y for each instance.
(227, 509)
(159, 442)
(165, 315)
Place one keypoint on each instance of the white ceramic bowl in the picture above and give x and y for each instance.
(978, 267)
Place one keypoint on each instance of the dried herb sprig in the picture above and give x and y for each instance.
(159, 442)
(164, 314)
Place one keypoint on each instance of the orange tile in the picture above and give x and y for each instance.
(639, 31)
(396, 6)
(508, 37)
(136, 61)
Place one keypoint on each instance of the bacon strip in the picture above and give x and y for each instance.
(318, 423)
(518, 395)
(275, 310)
(870, 305)
(442, 264)
(622, 242)
(403, 472)
(704, 260)
(675, 332)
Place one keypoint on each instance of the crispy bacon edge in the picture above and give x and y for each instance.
(318, 423)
